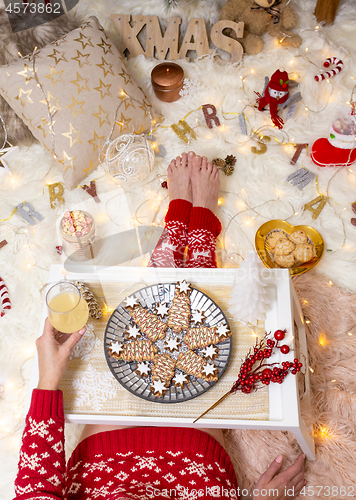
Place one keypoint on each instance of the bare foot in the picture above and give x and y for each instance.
(178, 177)
(205, 183)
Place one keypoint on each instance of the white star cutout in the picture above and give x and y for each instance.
(143, 368)
(183, 286)
(158, 387)
(222, 330)
(210, 351)
(172, 343)
(209, 369)
(180, 379)
(132, 331)
(162, 309)
(131, 301)
(197, 317)
(116, 347)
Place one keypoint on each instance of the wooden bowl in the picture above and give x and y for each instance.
(282, 225)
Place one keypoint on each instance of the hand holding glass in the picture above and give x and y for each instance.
(67, 310)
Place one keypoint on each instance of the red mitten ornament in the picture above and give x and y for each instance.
(339, 149)
(276, 92)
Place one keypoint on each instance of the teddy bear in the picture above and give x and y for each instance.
(275, 17)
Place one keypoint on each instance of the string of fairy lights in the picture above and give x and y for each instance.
(279, 139)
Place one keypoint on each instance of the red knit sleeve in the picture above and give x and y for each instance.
(42, 457)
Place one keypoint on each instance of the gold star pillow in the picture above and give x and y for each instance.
(72, 93)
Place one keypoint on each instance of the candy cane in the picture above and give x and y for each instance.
(332, 72)
(4, 296)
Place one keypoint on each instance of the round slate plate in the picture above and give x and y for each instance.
(149, 297)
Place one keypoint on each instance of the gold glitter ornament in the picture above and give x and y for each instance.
(320, 201)
(94, 308)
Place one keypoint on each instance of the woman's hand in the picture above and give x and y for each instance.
(54, 349)
(283, 486)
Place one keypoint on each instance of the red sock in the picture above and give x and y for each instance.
(203, 229)
(170, 249)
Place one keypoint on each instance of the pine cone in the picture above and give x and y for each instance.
(219, 163)
(230, 160)
(229, 169)
(94, 309)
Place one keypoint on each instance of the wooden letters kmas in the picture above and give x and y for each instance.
(167, 46)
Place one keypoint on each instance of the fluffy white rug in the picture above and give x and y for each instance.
(256, 192)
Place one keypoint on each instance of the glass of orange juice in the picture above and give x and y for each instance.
(67, 310)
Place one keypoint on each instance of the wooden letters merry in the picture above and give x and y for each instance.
(167, 45)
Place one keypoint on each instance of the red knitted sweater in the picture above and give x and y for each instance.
(135, 463)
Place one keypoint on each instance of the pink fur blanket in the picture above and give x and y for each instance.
(331, 337)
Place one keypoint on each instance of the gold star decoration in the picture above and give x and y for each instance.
(125, 76)
(102, 115)
(81, 59)
(76, 107)
(27, 71)
(146, 108)
(105, 46)
(103, 31)
(52, 102)
(103, 92)
(45, 124)
(79, 84)
(84, 40)
(97, 141)
(68, 161)
(123, 122)
(89, 169)
(55, 79)
(126, 100)
(58, 58)
(70, 135)
(106, 67)
(23, 93)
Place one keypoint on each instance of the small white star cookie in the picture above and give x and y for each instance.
(158, 388)
(143, 369)
(183, 286)
(222, 330)
(210, 351)
(132, 332)
(116, 347)
(209, 369)
(172, 343)
(131, 301)
(162, 309)
(198, 317)
(180, 380)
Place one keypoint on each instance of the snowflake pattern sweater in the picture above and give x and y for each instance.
(136, 463)
(185, 225)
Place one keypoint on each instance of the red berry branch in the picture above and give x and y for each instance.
(255, 371)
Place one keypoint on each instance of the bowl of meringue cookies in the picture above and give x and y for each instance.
(297, 248)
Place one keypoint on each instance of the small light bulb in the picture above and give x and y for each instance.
(311, 369)
(330, 282)
(307, 321)
(306, 108)
(349, 333)
(317, 27)
(306, 50)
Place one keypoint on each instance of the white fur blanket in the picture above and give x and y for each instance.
(256, 192)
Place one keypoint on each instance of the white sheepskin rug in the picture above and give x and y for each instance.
(256, 192)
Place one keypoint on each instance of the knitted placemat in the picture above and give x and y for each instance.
(89, 387)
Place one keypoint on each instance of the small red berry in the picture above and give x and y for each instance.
(279, 334)
(284, 85)
(285, 349)
(296, 360)
(294, 372)
(300, 365)
(164, 185)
